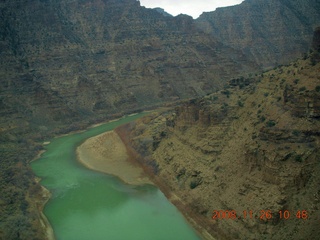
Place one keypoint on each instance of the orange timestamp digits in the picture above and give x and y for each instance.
(262, 214)
(224, 214)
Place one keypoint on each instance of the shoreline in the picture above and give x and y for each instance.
(106, 153)
(131, 161)
(42, 201)
(97, 153)
(192, 219)
(43, 220)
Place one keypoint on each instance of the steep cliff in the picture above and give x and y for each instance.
(66, 64)
(81, 59)
(252, 148)
(315, 57)
(272, 31)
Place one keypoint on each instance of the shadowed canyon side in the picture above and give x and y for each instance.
(273, 32)
(83, 59)
(65, 65)
(251, 149)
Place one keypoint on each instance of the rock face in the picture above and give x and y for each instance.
(80, 59)
(316, 46)
(272, 31)
(163, 12)
(66, 64)
(316, 40)
(252, 147)
(303, 104)
(86, 59)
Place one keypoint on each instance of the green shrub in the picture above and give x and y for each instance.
(302, 89)
(287, 157)
(226, 92)
(298, 158)
(296, 133)
(271, 123)
(240, 104)
(313, 61)
(194, 183)
(215, 98)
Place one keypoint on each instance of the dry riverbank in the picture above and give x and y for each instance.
(107, 153)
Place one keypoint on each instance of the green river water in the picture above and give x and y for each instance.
(88, 205)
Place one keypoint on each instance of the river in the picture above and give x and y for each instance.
(90, 205)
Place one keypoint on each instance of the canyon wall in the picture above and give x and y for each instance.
(254, 146)
(67, 64)
(273, 32)
(69, 60)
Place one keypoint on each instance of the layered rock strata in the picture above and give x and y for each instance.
(83, 59)
(250, 149)
(273, 31)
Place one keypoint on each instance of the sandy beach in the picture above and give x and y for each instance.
(107, 153)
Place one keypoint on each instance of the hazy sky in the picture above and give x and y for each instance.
(191, 7)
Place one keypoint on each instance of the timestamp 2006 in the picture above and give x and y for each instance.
(263, 215)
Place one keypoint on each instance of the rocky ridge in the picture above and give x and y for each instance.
(254, 26)
(252, 146)
(67, 64)
(83, 59)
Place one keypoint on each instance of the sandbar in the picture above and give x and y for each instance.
(107, 153)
